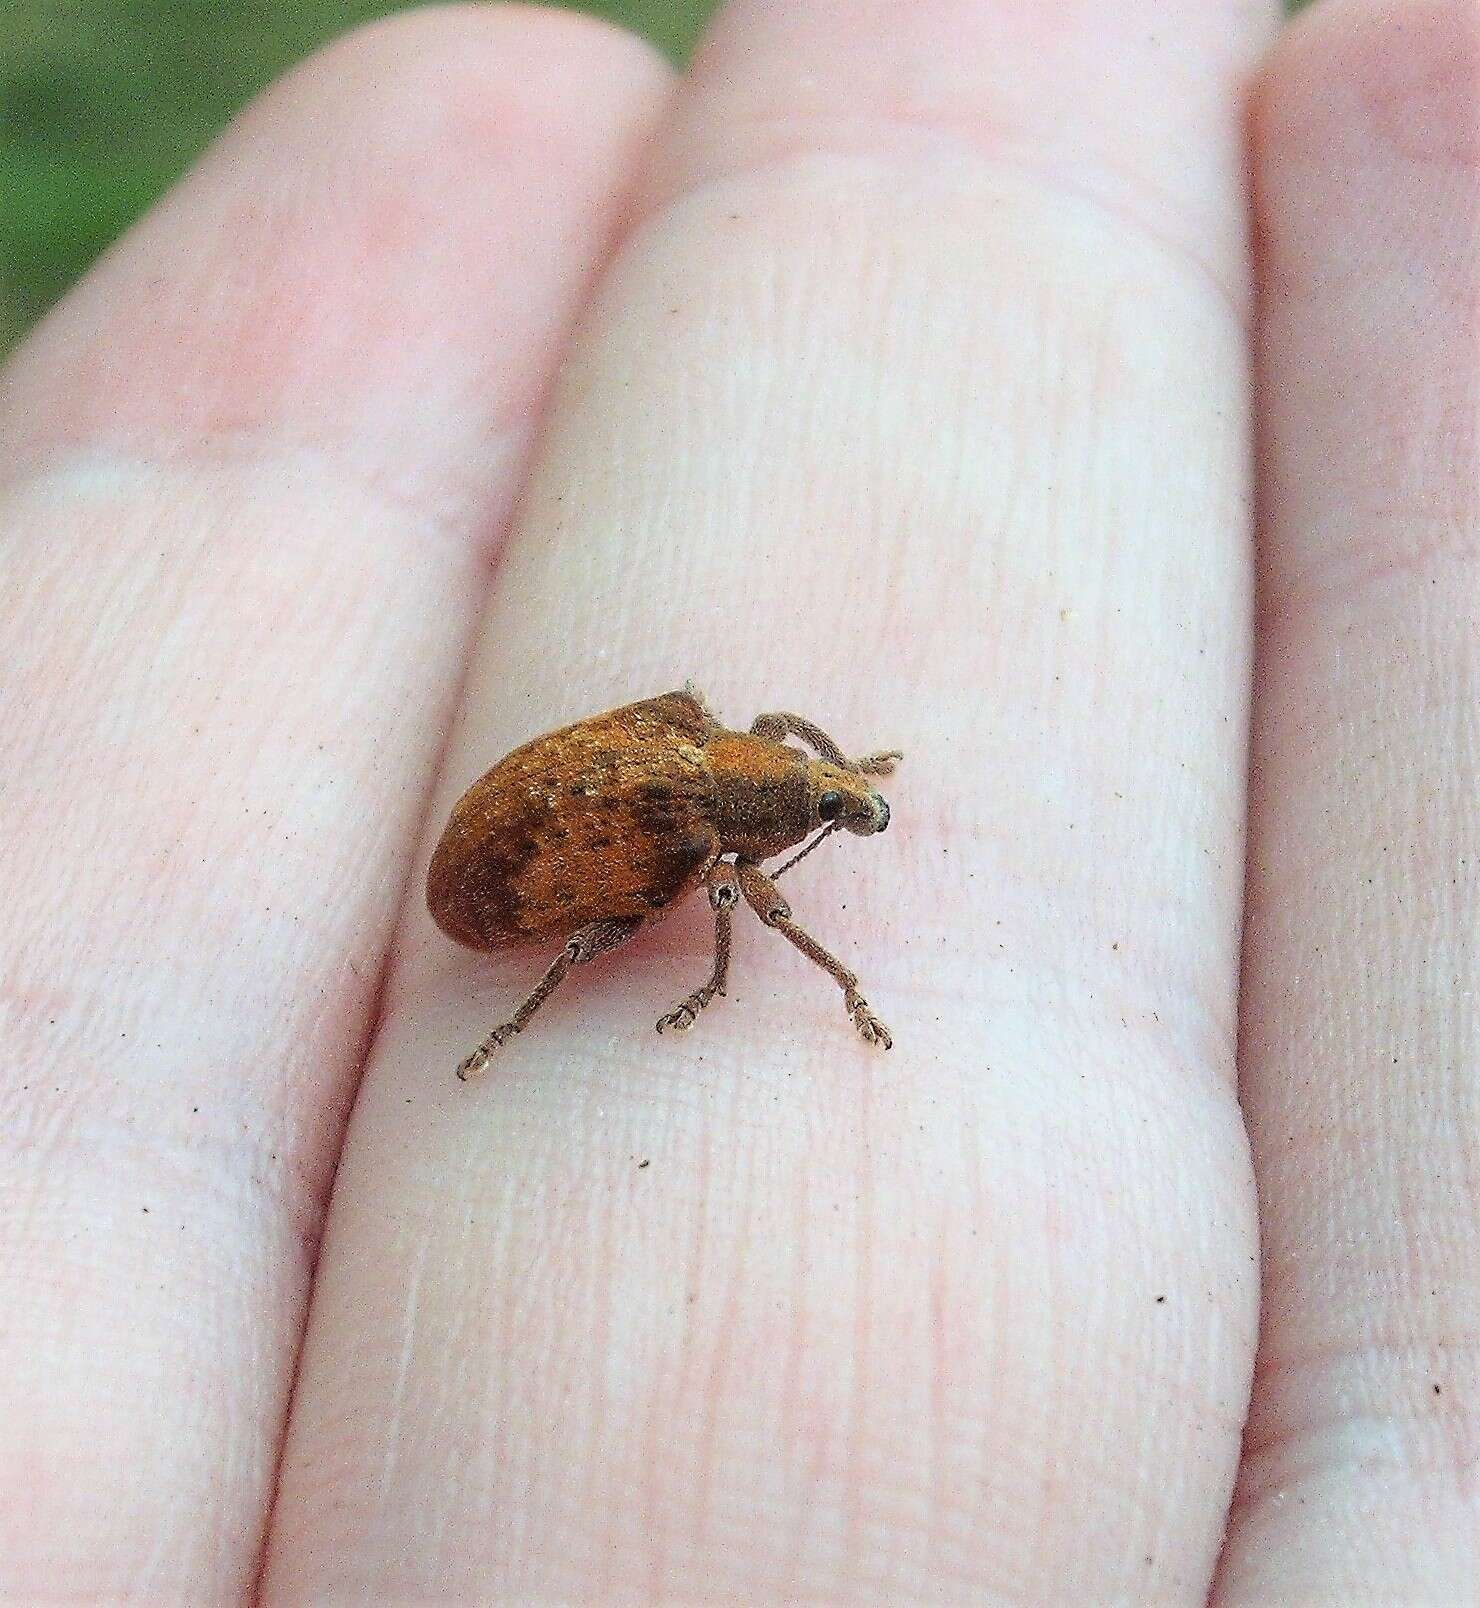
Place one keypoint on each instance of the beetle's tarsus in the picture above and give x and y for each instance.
(682, 1017)
(472, 1065)
(869, 1026)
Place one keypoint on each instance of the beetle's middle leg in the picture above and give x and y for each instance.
(583, 945)
(724, 895)
(764, 897)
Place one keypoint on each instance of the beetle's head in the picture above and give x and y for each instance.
(843, 798)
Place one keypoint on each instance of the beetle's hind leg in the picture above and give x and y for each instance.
(764, 897)
(724, 895)
(587, 944)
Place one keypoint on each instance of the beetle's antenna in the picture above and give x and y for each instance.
(802, 854)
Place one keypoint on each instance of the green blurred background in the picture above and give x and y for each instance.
(105, 102)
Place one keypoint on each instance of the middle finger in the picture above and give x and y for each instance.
(917, 403)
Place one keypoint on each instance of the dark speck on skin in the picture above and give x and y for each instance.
(643, 1164)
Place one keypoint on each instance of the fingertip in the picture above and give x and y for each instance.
(1366, 146)
(1136, 106)
(1397, 76)
(386, 240)
(520, 68)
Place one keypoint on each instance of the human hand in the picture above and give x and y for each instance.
(913, 397)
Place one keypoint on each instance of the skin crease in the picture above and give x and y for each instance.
(915, 397)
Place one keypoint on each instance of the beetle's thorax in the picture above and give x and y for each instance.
(763, 796)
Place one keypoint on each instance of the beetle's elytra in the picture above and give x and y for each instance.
(586, 834)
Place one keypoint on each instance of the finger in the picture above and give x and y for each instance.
(1361, 1033)
(254, 467)
(936, 436)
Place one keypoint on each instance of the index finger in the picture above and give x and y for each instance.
(253, 472)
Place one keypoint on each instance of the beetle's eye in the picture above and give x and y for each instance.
(829, 806)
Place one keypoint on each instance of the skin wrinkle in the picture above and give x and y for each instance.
(58, 471)
(857, 1405)
(924, 154)
(1307, 1425)
(719, 1363)
(1360, 579)
(940, 1346)
(600, 1412)
(397, 1396)
(696, 1265)
(798, 1430)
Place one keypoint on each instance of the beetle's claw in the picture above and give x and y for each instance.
(473, 1064)
(870, 1028)
(680, 1019)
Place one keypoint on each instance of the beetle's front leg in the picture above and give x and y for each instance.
(777, 727)
(764, 897)
(724, 895)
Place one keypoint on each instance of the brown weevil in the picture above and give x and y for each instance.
(591, 832)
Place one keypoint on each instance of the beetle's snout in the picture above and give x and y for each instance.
(881, 812)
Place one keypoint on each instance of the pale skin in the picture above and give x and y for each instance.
(913, 394)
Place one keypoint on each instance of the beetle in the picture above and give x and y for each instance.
(589, 833)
